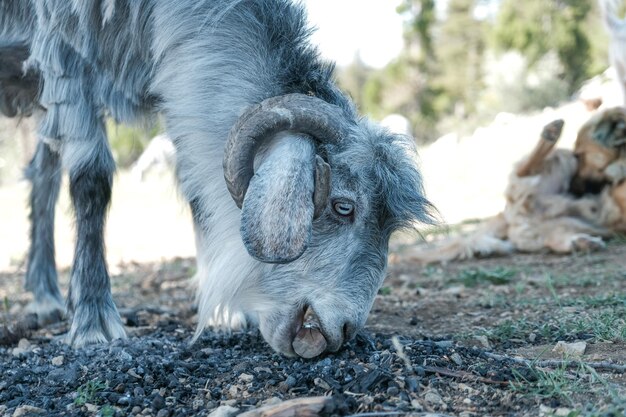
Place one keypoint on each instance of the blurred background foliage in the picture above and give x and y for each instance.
(462, 65)
(463, 62)
(128, 142)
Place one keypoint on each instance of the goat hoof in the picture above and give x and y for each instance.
(95, 323)
(48, 310)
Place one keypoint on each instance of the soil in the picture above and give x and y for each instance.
(427, 347)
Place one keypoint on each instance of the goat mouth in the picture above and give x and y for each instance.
(308, 341)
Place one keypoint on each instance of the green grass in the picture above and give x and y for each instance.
(606, 324)
(107, 411)
(482, 276)
(87, 392)
(560, 383)
(581, 388)
(384, 291)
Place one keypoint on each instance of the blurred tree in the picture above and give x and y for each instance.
(128, 142)
(536, 27)
(353, 79)
(460, 53)
(407, 86)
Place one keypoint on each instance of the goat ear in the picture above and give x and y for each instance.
(277, 212)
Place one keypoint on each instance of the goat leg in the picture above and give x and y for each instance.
(44, 173)
(549, 136)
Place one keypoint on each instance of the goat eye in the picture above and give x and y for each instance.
(343, 209)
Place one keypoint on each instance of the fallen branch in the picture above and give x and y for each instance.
(397, 413)
(305, 407)
(467, 376)
(554, 363)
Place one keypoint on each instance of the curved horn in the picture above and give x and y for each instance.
(296, 112)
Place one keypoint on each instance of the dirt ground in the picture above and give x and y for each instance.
(445, 339)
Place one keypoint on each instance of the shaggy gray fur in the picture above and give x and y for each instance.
(202, 63)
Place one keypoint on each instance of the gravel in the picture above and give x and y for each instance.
(161, 373)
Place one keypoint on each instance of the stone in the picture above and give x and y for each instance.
(58, 360)
(576, 349)
(247, 378)
(224, 411)
(27, 410)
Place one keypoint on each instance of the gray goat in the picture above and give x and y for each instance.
(254, 115)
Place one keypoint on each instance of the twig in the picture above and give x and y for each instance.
(463, 375)
(308, 406)
(552, 363)
(397, 413)
(400, 352)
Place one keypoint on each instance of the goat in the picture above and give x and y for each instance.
(255, 116)
(557, 199)
(617, 45)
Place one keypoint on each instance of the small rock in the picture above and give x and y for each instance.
(233, 390)
(413, 321)
(27, 410)
(321, 383)
(125, 356)
(136, 410)
(18, 351)
(467, 401)
(545, 410)
(456, 290)
(247, 378)
(532, 337)
(158, 402)
(197, 404)
(393, 391)
(456, 358)
(163, 413)
(57, 360)
(576, 349)
(92, 408)
(24, 344)
(445, 344)
(412, 384)
(291, 381)
(563, 412)
(483, 341)
(132, 373)
(272, 401)
(433, 397)
(123, 400)
(138, 392)
(417, 406)
(224, 411)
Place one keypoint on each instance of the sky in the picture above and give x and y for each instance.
(371, 28)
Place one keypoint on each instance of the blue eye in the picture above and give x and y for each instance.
(343, 208)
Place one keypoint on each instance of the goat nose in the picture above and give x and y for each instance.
(309, 341)
(349, 331)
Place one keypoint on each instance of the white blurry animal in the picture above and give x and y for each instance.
(617, 46)
(160, 152)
